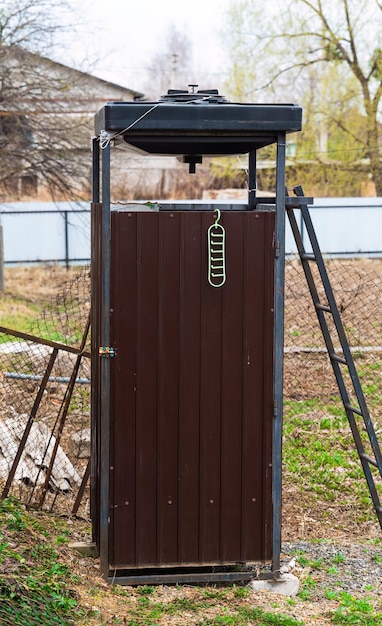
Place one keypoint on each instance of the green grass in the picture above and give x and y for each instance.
(201, 606)
(41, 318)
(39, 587)
(357, 611)
(254, 616)
(320, 456)
(19, 322)
(203, 613)
(35, 586)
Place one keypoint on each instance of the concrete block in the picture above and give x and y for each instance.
(85, 548)
(288, 587)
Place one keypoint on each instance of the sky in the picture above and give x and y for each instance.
(118, 38)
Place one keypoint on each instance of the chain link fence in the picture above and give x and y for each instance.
(45, 378)
(45, 400)
(357, 287)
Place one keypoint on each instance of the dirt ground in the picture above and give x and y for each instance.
(358, 289)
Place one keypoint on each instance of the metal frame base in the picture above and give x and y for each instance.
(182, 575)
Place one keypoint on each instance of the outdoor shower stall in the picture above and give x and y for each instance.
(187, 351)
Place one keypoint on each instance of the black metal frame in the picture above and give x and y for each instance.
(173, 576)
(288, 118)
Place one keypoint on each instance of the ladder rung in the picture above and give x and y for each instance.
(305, 256)
(369, 459)
(353, 409)
(322, 307)
(339, 359)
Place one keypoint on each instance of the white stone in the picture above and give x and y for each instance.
(80, 444)
(36, 456)
(288, 587)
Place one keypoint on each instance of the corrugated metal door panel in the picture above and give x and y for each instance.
(258, 329)
(210, 409)
(147, 388)
(168, 386)
(232, 366)
(197, 436)
(123, 383)
(189, 388)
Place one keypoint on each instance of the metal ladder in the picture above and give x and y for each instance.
(339, 361)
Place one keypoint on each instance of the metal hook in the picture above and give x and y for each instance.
(216, 253)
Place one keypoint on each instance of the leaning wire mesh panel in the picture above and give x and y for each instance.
(45, 391)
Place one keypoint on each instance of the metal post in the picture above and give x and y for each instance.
(278, 352)
(105, 363)
(96, 170)
(94, 432)
(81, 490)
(66, 222)
(252, 180)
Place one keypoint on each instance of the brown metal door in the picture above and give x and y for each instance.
(191, 390)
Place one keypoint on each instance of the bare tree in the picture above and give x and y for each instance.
(321, 42)
(42, 125)
(171, 66)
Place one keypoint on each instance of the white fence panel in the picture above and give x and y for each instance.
(79, 234)
(47, 232)
(347, 227)
(33, 237)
